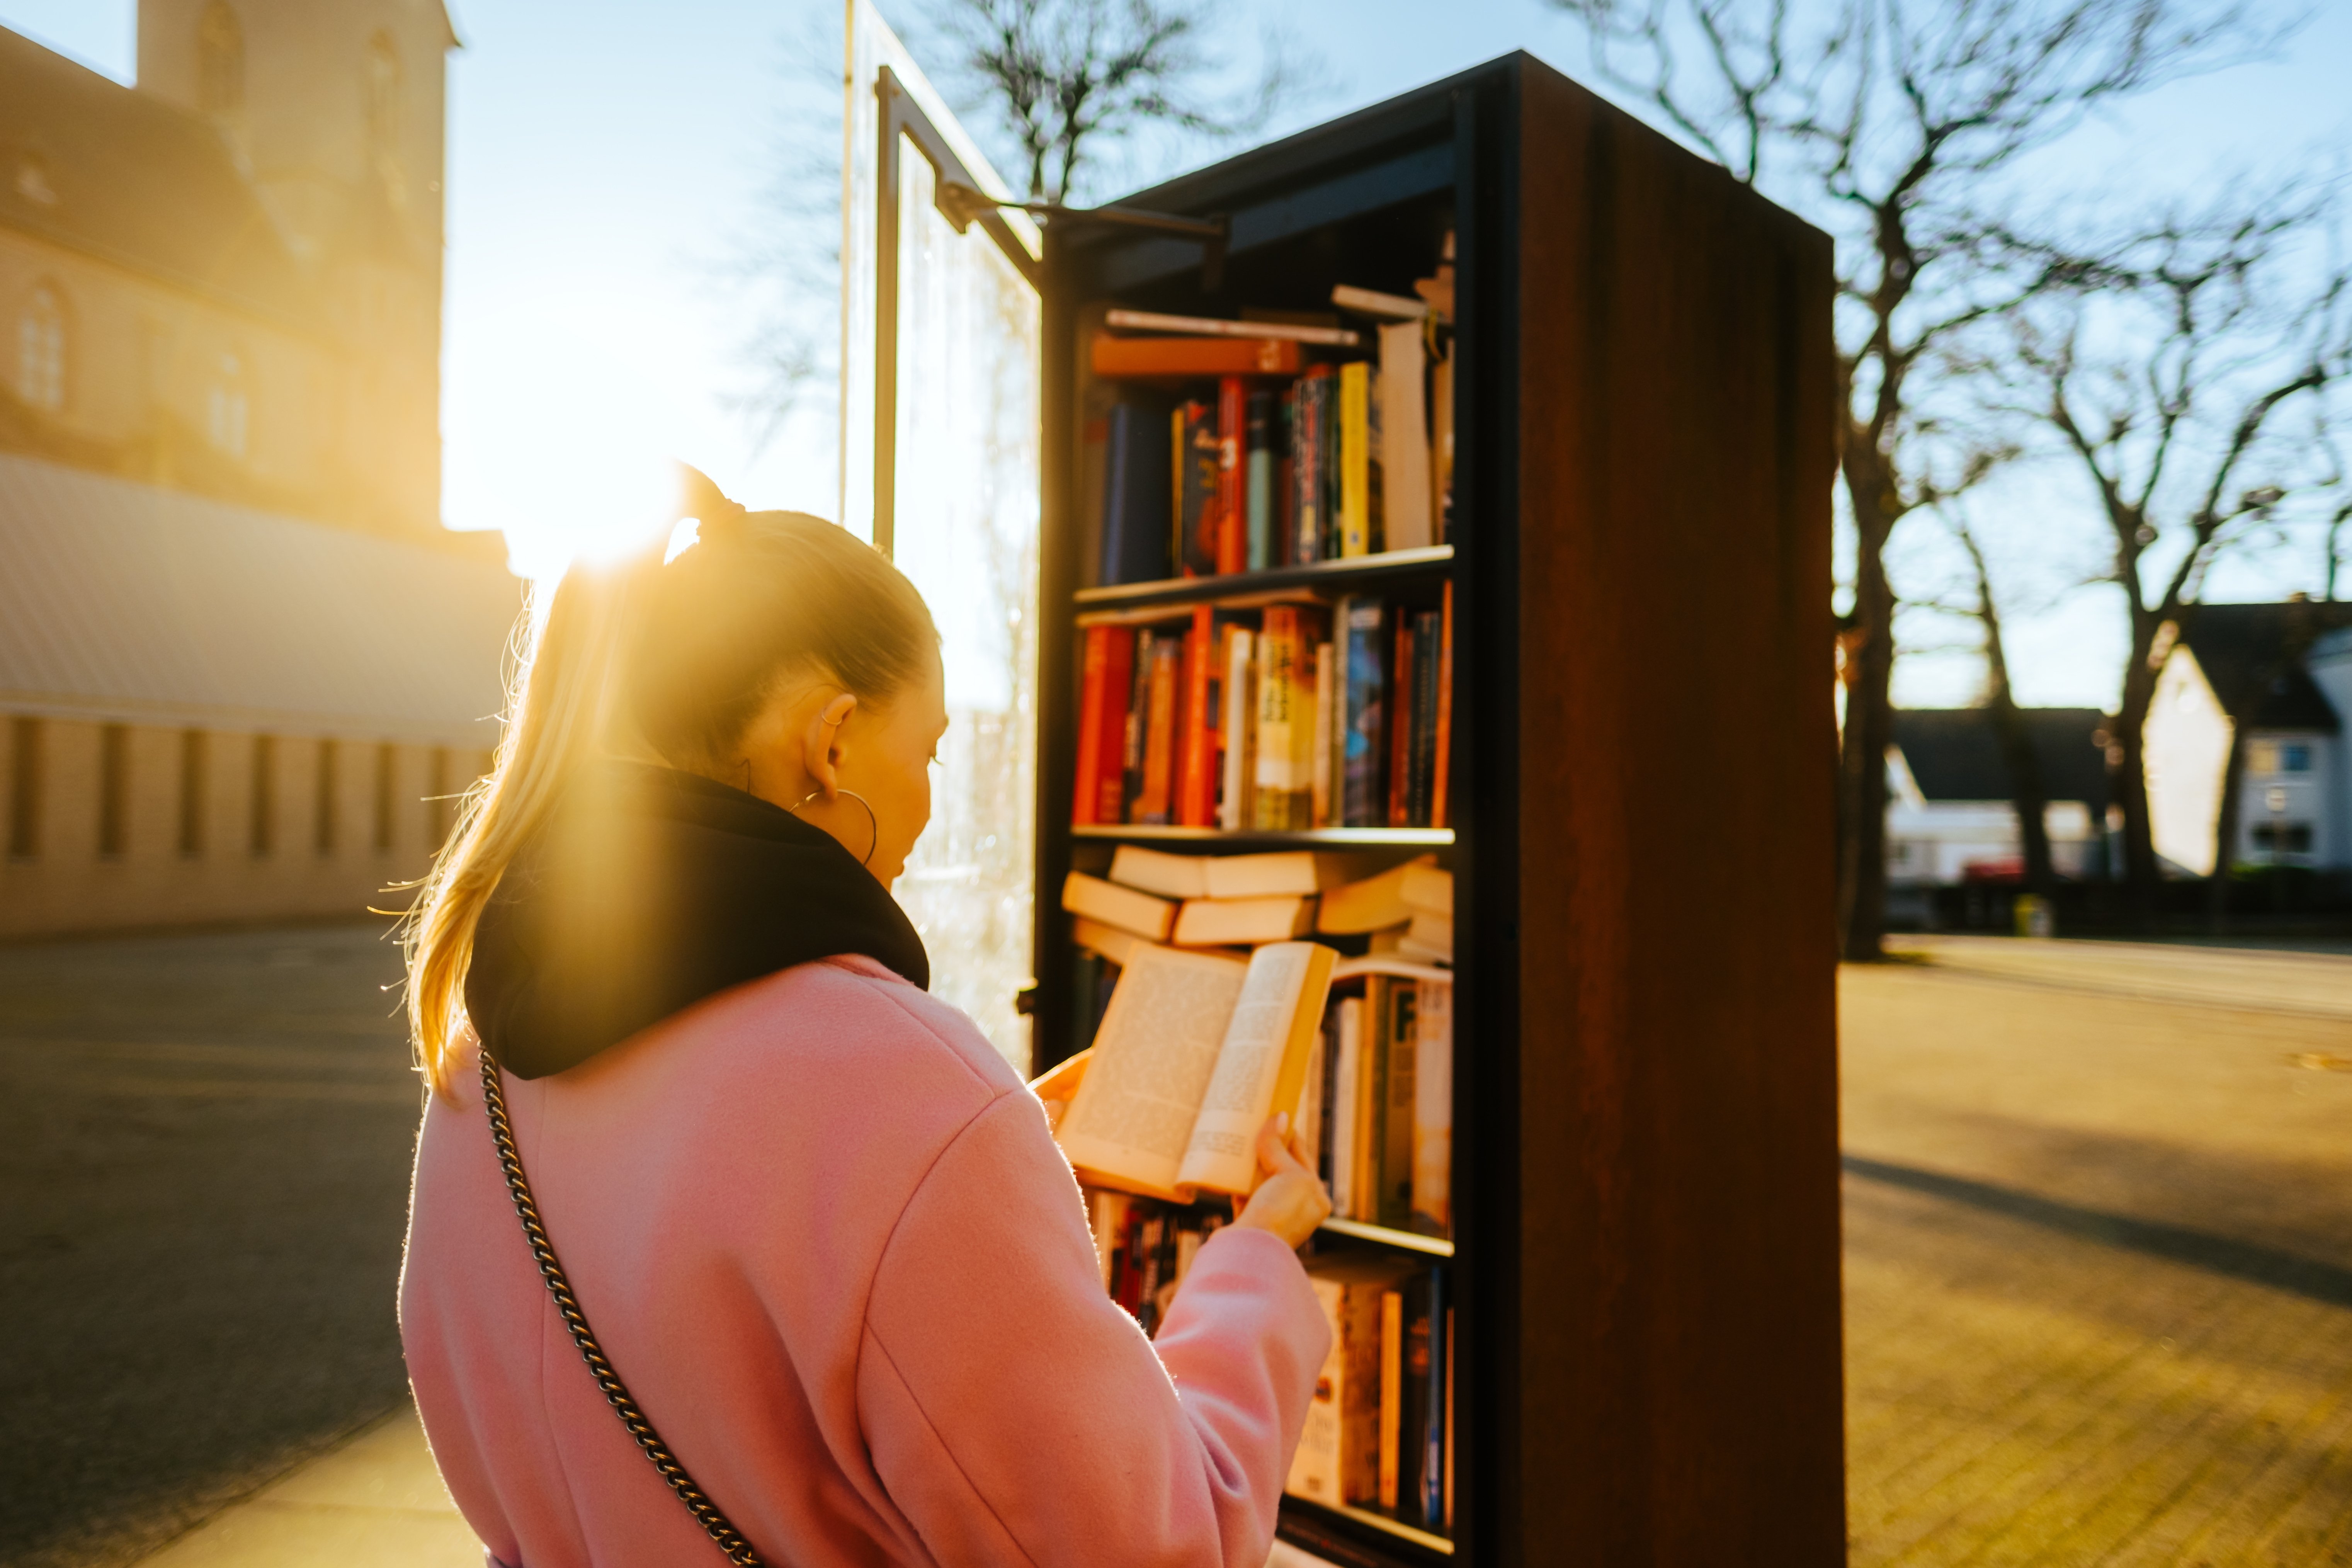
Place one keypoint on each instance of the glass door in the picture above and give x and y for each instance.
(939, 468)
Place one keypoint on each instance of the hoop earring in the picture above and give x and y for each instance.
(873, 828)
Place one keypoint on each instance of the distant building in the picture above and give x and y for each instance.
(237, 649)
(1950, 811)
(2269, 683)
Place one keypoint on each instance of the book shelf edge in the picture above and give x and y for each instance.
(1429, 838)
(1410, 1239)
(1380, 1521)
(1272, 579)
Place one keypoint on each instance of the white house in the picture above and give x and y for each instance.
(2271, 682)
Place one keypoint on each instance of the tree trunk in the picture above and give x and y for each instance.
(2028, 796)
(2142, 881)
(1869, 719)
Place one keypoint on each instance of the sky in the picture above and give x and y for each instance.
(612, 162)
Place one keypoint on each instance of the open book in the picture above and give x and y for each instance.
(1196, 1051)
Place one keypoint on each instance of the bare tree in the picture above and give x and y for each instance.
(1890, 122)
(1062, 77)
(2029, 792)
(2170, 381)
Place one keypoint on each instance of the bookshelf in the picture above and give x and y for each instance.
(1644, 1267)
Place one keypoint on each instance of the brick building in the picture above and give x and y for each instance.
(242, 664)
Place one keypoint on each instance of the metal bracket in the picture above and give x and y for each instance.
(960, 204)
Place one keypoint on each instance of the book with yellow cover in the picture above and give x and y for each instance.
(1195, 1052)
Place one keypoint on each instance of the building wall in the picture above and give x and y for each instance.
(259, 853)
(1934, 843)
(143, 361)
(2186, 746)
(2300, 830)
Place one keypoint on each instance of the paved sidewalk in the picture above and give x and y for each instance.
(375, 1501)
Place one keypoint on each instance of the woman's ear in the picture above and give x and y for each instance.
(821, 747)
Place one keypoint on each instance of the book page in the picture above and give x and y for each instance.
(1152, 1059)
(1222, 1153)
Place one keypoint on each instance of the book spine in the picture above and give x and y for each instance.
(1432, 1110)
(1399, 712)
(1448, 1427)
(1200, 470)
(1365, 757)
(1257, 478)
(1412, 1399)
(1392, 1392)
(1097, 492)
(1159, 732)
(1312, 396)
(1286, 482)
(1334, 1110)
(1234, 808)
(1375, 463)
(1442, 767)
(1426, 653)
(1139, 718)
(1403, 446)
(1372, 1126)
(1347, 1105)
(1319, 811)
(1441, 455)
(1360, 1395)
(1232, 506)
(1118, 692)
(1085, 794)
(1197, 798)
(1355, 460)
(1400, 1046)
(1278, 717)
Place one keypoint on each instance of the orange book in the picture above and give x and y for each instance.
(1445, 721)
(1160, 735)
(1196, 799)
(1085, 795)
(1397, 711)
(1110, 723)
(1194, 356)
(1232, 517)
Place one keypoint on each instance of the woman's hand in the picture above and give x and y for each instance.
(1290, 1201)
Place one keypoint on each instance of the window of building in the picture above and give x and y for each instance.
(41, 350)
(220, 60)
(2264, 758)
(436, 799)
(227, 410)
(2295, 757)
(262, 830)
(383, 95)
(2283, 838)
(113, 789)
(387, 776)
(194, 756)
(323, 807)
(25, 781)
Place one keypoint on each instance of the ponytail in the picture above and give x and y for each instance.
(679, 657)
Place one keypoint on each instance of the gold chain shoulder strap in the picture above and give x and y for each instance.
(616, 1393)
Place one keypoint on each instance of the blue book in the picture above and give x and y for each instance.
(1136, 494)
(1430, 1506)
(1361, 627)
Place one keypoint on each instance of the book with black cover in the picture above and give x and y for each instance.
(1137, 529)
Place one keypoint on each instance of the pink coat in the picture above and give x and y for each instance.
(825, 1236)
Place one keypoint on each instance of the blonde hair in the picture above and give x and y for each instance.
(682, 654)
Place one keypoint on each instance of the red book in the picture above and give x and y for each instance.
(1232, 514)
(1196, 800)
(1194, 356)
(1399, 712)
(1109, 719)
(1160, 735)
(1088, 792)
(1444, 721)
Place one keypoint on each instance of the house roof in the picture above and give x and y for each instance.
(123, 175)
(2253, 657)
(1953, 754)
(125, 602)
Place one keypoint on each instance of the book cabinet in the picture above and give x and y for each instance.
(1644, 1259)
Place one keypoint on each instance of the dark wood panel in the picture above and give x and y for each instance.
(1678, 1340)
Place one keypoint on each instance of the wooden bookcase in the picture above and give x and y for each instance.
(1645, 1269)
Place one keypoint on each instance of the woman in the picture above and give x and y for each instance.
(819, 1228)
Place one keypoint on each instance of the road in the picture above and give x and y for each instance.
(2099, 1256)
(205, 1144)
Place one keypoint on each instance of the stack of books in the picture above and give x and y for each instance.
(1237, 445)
(1379, 1432)
(1282, 717)
(1408, 910)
